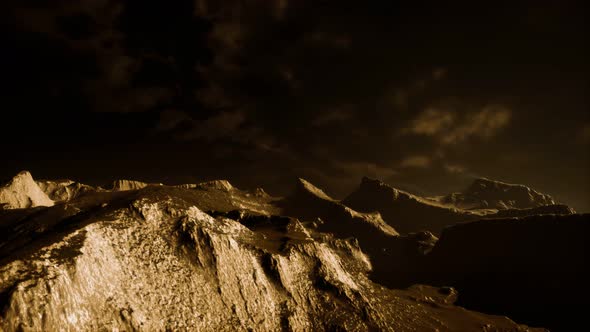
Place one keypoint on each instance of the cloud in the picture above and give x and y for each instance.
(416, 161)
(449, 126)
(225, 124)
(431, 122)
(483, 124)
(337, 115)
(357, 169)
(454, 169)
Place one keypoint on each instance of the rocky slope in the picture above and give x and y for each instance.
(533, 269)
(410, 213)
(22, 192)
(484, 193)
(124, 185)
(406, 212)
(64, 190)
(169, 258)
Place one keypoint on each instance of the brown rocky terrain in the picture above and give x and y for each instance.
(213, 257)
(409, 213)
(484, 193)
(22, 192)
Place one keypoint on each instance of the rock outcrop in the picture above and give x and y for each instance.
(64, 190)
(22, 192)
(311, 203)
(557, 209)
(484, 193)
(152, 260)
(405, 212)
(124, 185)
(222, 185)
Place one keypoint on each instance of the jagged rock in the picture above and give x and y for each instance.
(22, 192)
(484, 193)
(152, 260)
(309, 201)
(223, 185)
(64, 190)
(533, 269)
(558, 209)
(405, 212)
(323, 213)
(259, 192)
(124, 185)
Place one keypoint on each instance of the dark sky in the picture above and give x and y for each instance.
(424, 97)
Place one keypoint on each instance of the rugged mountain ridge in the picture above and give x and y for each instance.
(152, 259)
(485, 193)
(64, 190)
(406, 212)
(411, 213)
(22, 192)
(213, 257)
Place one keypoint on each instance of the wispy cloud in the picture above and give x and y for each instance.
(416, 161)
(449, 127)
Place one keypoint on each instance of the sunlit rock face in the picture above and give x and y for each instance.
(485, 193)
(22, 192)
(152, 259)
(124, 185)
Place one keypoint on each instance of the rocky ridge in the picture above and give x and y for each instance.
(64, 190)
(411, 213)
(152, 259)
(485, 193)
(22, 192)
(213, 257)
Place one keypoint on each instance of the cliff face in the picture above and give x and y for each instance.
(22, 192)
(485, 193)
(152, 259)
(124, 185)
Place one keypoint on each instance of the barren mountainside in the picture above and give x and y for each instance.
(213, 257)
(22, 192)
(485, 193)
(411, 213)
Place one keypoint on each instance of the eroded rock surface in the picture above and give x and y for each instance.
(64, 190)
(406, 212)
(485, 193)
(410, 213)
(152, 260)
(124, 185)
(22, 192)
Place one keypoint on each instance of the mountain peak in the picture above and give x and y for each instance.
(23, 192)
(223, 185)
(487, 193)
(305, 186)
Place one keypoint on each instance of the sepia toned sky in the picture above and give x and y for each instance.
(423, 95)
